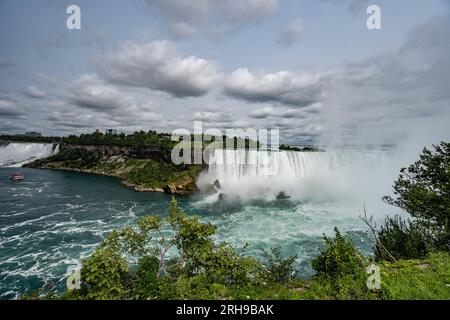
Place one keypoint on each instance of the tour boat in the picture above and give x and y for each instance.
(17, 176)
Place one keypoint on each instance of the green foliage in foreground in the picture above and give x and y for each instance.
(132, 263)
(424, 279)
(341, 269)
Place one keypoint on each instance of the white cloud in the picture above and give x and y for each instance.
(284, 87)
(158, 66)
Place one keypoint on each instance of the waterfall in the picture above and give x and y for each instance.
(306, 175)
(18, 154)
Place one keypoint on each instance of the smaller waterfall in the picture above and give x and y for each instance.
(18, 154)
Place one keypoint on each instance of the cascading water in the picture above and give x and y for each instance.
(324, 176)
(18, 154)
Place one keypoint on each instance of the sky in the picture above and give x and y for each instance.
(309, 68)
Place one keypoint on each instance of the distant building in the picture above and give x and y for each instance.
(110, 132)
(33, 134)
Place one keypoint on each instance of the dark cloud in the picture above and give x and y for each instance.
(9, 109)
(91, 93)
(11, 126)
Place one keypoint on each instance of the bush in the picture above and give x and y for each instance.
(339, 258)
(340, 269)
(279, 269)
(402, 239)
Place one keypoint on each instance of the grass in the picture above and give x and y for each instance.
(417, 279)
(427, 279)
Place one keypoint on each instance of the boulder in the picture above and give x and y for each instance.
(282, 196)
(212, 188)
(217, 184)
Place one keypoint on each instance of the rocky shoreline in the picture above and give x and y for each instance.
(124, 169)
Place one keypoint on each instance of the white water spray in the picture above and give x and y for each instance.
(339, 175)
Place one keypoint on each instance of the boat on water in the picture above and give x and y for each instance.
(17, 176)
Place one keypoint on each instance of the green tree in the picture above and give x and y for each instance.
(423, 190)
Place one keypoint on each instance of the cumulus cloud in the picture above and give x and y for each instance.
(92, 93)
(36, 93)
(291, 34)
(158, 66)
(283, 87)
